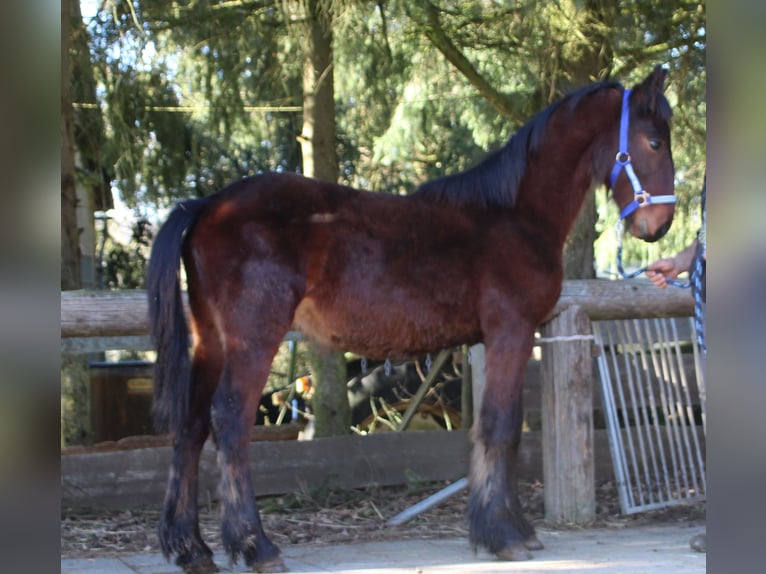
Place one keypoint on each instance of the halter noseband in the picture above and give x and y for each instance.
(640, 197)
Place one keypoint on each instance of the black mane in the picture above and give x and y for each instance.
(494, 182)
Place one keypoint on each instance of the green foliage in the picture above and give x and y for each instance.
(75, 401)
(193, 96)
(280, 366)
(124, 266)
(196, 95)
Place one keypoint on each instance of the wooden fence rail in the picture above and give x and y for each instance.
(124, 313)
(568, 437)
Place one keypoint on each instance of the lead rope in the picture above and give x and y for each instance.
(695, 277)
(637, 272)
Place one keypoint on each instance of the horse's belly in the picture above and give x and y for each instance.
(388, 328)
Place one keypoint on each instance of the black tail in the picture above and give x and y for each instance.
(169, 332)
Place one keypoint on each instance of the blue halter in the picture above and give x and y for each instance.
(640, 197)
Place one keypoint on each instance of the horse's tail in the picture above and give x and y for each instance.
(168, 329)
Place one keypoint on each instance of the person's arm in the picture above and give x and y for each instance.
(669, 268)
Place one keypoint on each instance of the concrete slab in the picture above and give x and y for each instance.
(95, 566)
(629, 550)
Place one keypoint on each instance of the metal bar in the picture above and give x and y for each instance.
(636, 484)
(601, 330)
(655, 467)
(636, 432)
(678, 411)
(687, 417)
(643, 423)
(428, 502)
(420, 394)
(663, 477)
(666, 400)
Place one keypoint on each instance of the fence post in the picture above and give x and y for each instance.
(567, 418)
(478, 375)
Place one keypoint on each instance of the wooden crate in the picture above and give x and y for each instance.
(120, 400)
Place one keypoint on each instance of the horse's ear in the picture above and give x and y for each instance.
(648, 90)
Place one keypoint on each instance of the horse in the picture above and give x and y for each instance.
(471, 257)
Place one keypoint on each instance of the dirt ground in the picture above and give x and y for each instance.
(327, 517)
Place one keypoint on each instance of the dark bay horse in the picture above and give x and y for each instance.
(471, 257)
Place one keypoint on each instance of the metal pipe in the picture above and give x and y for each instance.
(426, 503)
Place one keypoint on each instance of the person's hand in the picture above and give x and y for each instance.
(661, 270)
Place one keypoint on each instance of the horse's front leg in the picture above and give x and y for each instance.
(496, 519)
(233, 414)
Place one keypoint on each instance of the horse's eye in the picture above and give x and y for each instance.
(655, 144)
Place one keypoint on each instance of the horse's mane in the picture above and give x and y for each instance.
(495, 181)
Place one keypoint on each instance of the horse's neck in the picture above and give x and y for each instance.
(569, 164)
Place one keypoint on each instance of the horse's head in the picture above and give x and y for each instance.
(642, 176)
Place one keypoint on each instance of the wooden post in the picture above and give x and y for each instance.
(420, 394)
(478, 375)
(567, 412)
(466, 390)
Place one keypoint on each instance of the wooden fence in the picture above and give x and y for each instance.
(94, 321)
(105, 314)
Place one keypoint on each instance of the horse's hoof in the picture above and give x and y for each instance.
(273, 565)
(204, 565)
(516, 552)
(698, 542)
(533, 543)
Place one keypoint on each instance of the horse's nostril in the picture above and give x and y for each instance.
(657, 235)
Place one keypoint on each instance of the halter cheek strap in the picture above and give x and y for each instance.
(640, 197)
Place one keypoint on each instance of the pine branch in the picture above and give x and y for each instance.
(508, 106)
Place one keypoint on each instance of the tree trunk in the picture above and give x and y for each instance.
(578, 250)
(70, 236)
(593, 62)
(75, 382)
(75, 400)
(318, 134)
(332, 415)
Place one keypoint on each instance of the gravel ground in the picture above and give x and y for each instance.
(328, 517)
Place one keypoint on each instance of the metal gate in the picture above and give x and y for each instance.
(648, 386)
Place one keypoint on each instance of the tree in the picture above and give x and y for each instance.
(332, 414)
(587, 59)
(422, 89)
(520, 58)
(70, 236)
(195, 95)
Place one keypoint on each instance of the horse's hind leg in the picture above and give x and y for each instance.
(235, 404)
(179, 527)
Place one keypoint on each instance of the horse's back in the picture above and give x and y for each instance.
(370, 272)
(373, 273)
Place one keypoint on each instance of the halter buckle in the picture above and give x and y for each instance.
(642, 198)
(622, 157)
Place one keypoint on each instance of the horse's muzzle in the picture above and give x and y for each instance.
(651, 237)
